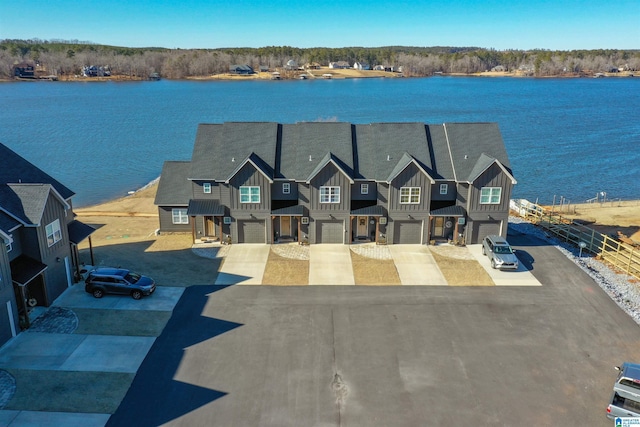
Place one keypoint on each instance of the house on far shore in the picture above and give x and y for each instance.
(312, 66)
(332, 182)
(387, 68)
(361, 66)
(241, 69)
(24, 70)
(39, 236)
(339, 65)
(291, 65)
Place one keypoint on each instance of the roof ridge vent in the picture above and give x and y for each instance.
(466, 157)
(233, 159)
(310, 159)
(388, 158)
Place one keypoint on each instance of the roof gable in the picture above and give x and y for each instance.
(14, 168)
(26, 202)
(257, 163)
(330, 158)
(403, 163)
(484, 163)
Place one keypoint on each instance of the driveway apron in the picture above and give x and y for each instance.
(244, 265)
(416, 265)
(330, 265)
(520, 277)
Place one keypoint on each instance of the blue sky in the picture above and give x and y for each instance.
(498, 24)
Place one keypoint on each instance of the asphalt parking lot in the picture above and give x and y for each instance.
(329, 355)
(388, 356)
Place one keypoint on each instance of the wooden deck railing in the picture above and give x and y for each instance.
(620, 255)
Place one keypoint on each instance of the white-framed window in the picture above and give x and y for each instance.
(490, 195)
(249, 194)
(304, 220)
(364, 188)
(206, 188)
(179, 216)
(9, 246)
(53, 232)
(286, 188)
(409, 195)
(444, 188)
(329, 194)
(227, 220)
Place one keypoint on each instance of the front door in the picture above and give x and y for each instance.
(362, 226)
(285, 226)
(438, 226)
(209, 226)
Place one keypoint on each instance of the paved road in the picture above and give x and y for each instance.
(388, 356)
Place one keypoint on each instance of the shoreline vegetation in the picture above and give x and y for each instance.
(85, 61)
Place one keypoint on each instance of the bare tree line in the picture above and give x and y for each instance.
(68, 58)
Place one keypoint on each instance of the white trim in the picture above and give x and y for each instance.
(410, 195)
(333, 195)
(206, 187)
(286, 188)
(67, 268)
(491, 195)
(56, 231)
(250, 194)
(446, 189)
(364, 188)
(180, 216)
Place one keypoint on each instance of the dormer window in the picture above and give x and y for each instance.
(249, 194)
(364, 188)
(206, 188)
(286, 188)
(444, 189)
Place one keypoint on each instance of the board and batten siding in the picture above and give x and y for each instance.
(248, 175)
(492, 177)
(277, 194)
(356, 190)
(411, 176)
(198, 190)
(330, 176)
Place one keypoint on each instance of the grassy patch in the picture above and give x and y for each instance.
(141, 323)
(68, 391)
(462, 272)
(281, 271)
(374, 272)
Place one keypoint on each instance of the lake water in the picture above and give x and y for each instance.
(565, 137)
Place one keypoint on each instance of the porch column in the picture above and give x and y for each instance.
(299, 219)
(220, 220)
(455, 231)
(349, 229)
(377, 228)
(193, 228)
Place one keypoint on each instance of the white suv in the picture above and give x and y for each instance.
(499, 252)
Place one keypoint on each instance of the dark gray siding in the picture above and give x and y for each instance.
(356, 193)
(6, 294)
(330, 176)
(16, 246)
(198, 190)
(410, 177)
(250, 176)
(492, 177)
(451, 191)
(166, 220)
(277, 194)
(462, 195)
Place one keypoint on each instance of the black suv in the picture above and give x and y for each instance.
(118, 281)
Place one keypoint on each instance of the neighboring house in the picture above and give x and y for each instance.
(39, 236)
(361, 66)
(241, 69)
(339, 65)
(291, 65)
(328, 182)
(312, 66)
(24, 70)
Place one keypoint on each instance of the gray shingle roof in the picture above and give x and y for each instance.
(174, 188)
(220, 147)
(330, 158)
(381, 145)
(402, 164)
(450, 151)
(16, 169)
(7, 223)
(26, 202)
(469, 141)
(304, 146)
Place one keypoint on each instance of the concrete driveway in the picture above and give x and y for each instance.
(330, 265)
(520, 277)
(243, 265)
(397, 356)
(416, 265)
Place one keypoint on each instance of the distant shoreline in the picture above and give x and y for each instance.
(336, 74)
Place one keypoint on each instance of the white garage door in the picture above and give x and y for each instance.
(251, 231)
(407, 232)
(329, 232)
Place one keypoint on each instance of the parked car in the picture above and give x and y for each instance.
(85, 270)
(118, 281)
(625, 397)
(499, 252)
